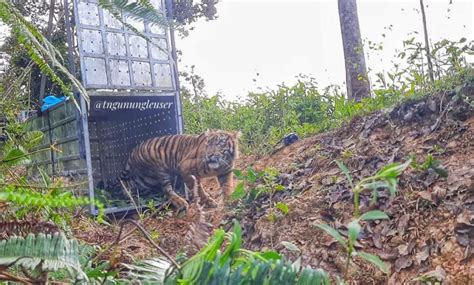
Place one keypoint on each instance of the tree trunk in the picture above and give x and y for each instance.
(48, 37)
(356, 71)
(427, 43)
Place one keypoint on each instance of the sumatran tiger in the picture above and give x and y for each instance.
(155, 163)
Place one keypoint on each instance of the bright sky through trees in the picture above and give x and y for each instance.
(281, 39)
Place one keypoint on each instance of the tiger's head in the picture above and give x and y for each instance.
(221, 149)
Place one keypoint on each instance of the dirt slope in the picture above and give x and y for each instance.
(431, 226)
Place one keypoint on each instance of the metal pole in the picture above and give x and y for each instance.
(72, 69)
(169, 13)
(82, 116)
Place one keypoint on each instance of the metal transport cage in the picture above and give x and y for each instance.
(134, 95)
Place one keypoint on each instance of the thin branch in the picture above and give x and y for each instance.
(129, 233)
(41, 187)
(147, 236)
(28, 154)
(10, 277)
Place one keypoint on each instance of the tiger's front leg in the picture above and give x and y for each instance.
(189, 181)
(226, 181)
(177, 201)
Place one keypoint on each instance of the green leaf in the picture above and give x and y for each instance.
(49, 251)
(376, 185)
(271, 217)
(334, 233)
(290, 246)
(239, 192)
(282, 207)
(15, 155)
(269, 255)
(238, 173)
(234, 243)
(354, 230)
(45, 177)
(251, 175)
(141, 10)
(32, 139)
(392, 186)
(346, 172)
(374, 215)
(393, 170)
(375, 260)
(280, 188)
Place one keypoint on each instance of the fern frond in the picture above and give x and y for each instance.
(45, 252)
(25, 197)
(139, 10)
(150, 270)
(25, 227)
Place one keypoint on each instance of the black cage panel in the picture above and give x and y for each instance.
(119, 124)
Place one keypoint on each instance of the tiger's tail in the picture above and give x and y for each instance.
(116, 185)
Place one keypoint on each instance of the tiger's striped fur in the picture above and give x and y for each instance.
(155, 163)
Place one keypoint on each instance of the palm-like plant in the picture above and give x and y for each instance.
(37, 253)
(140, 9)
(232, 265)
(41, 51)
(235, 265)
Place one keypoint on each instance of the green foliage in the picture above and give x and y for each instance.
(31, 201)
(265, 117)
(15, 155)
(44, 199)
(139, 10)
(235, 265)
(430, 163)
(41, 253)
(40, 50)
(18, 146)
(260, 183)
(348, 243)
(282, 207)
(149, 270)
(384, 178)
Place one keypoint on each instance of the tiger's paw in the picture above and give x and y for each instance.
(179, 203)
